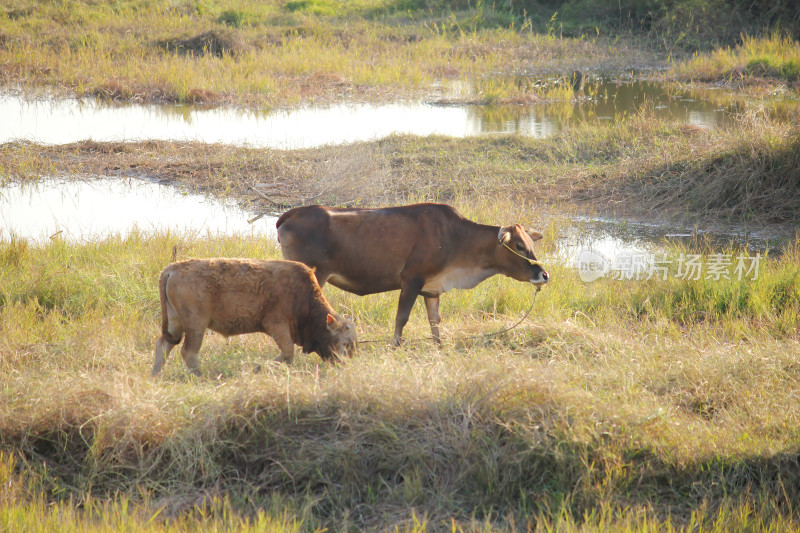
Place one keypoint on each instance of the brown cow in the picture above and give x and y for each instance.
(235, 296)
(424, 249)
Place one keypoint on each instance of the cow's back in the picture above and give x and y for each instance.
(364, 250)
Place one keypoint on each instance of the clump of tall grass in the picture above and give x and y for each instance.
(754, 178)
(776, 56)
(512, 90)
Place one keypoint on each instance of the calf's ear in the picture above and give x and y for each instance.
(331, 321)
(534, 235)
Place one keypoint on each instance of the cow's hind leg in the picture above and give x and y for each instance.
(190, 349)
(434, 318)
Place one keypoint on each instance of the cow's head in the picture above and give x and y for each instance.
(520, 262)
(339, 338)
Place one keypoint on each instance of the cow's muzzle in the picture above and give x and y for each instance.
(541, 279)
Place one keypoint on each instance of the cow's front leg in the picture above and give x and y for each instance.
(409, 291)
(434, 318)
(283, 338)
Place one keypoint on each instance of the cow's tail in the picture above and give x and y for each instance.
(162, 292)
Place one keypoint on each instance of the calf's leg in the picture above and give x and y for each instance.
(283, 338)
(163, 347)
(172, 331)
(190, 349)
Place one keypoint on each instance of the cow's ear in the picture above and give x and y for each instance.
(504, 235)
(534, 235)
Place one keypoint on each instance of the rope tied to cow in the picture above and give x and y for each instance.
(509, 328)
(532, 262)
(481, 335)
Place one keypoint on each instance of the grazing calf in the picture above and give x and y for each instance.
(236, 296)
(422, 249)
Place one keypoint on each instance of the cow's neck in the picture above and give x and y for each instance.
(474, 261)
(482, 246)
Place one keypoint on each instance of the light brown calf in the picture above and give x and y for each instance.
(236, 296)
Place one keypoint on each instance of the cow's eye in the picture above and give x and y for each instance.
(520, 248)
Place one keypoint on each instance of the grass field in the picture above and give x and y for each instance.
(776, 57)
(275, 53)
(621, 404)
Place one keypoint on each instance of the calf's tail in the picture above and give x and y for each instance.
(162, 292)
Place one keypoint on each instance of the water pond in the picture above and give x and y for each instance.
(84, 210)
(63, 121)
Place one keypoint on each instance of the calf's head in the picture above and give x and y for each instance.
(338, 340)
(521, 263)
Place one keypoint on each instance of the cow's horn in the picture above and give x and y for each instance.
(504, 234)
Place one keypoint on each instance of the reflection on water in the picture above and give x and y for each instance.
(607, 100)
(640, 251)
(87, 210)
(64, 121)
(610, 100)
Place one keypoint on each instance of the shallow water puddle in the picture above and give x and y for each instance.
(64, 121)
(636, 250)
(611, 237)
(98, 208)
